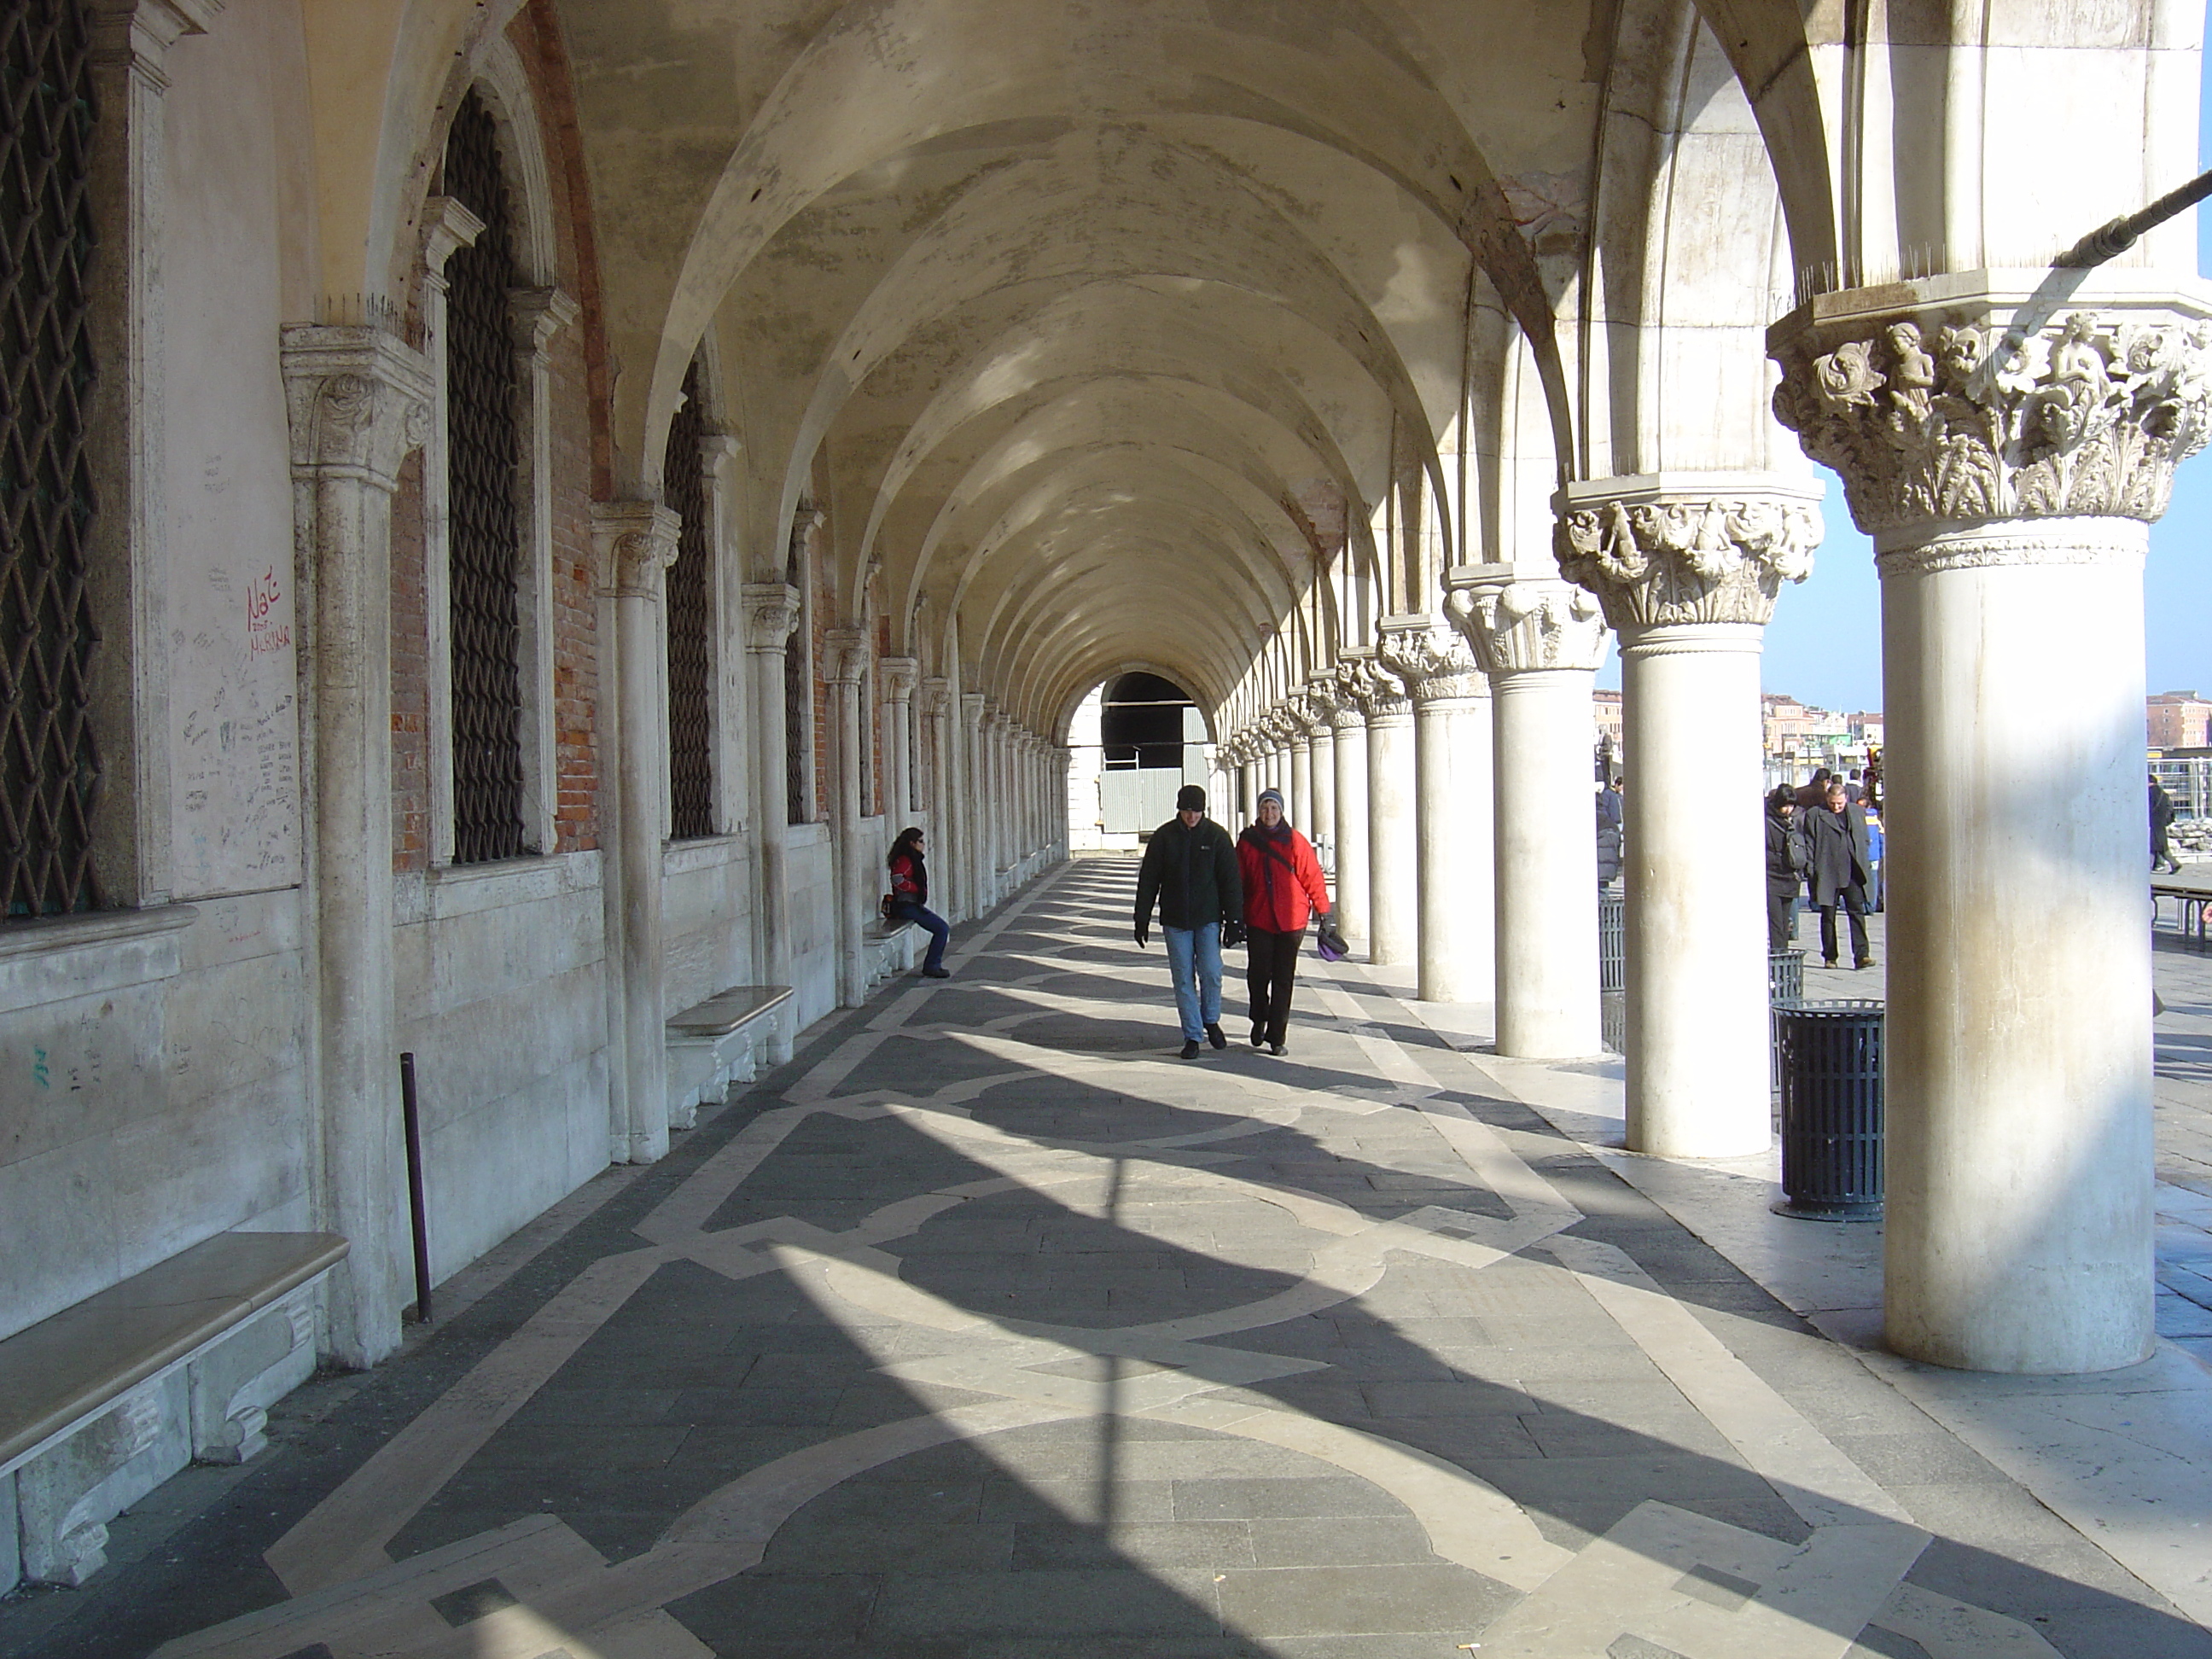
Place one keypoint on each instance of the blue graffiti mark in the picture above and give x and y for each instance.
(38, 1069)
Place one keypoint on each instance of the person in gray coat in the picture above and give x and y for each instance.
(1787, 858)
(1842, 865)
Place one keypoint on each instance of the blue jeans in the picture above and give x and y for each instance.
(1198, 997)
(938, 929)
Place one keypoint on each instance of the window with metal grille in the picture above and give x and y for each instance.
(690, 658)
(484, 447)
(50, 767)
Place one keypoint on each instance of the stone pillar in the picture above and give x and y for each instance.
(1248, 789)
(359, 401)
(975, 893)
(771, 612)
(846, 670)
(2006, 459)
(1393, 844)
(1316, 707)
(1352, 878)
(1300, 747)
(1455, 814)
(1540, 639)
(127, 186)
(636, 541)
(991, 801)
(935, 708)
(896, 677)
(1687, 567)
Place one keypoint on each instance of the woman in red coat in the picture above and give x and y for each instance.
(1283, 885)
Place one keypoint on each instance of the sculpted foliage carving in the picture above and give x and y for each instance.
(1523, 623)
(1698, 560)
(1967, 420)
(1434, 662)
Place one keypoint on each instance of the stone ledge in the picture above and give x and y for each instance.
(53, 959)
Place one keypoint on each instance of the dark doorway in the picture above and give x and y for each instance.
(1141, 723)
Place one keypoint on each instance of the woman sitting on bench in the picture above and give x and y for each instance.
(910, 900)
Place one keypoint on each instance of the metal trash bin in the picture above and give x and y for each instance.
(1612, 973)
(1830, 1054)
(1785, 982)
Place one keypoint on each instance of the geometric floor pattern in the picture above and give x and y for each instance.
(988, 1329)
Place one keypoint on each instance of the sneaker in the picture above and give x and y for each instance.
(1827, 962)
(1863, 961)
(937, 973)
(1213, 1035)
(1278, 1048)
(1190, 1051)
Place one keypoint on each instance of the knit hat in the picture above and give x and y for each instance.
(1189, 798)
(1276, 796)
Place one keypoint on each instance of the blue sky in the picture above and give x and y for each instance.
(1824, 645)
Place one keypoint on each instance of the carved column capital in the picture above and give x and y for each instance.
(449, 226)
(1966, 398)
(771, 612)
(1665, 550)
(536, 314)
(846, 658)
(1378, 692)
(898, 677)
(359, 401)
(1431, 658)
(1323, 695)
(934, 694)
(1307, 720)
(971, 710)
(139, 33)
(636, 541)
(1518, 623)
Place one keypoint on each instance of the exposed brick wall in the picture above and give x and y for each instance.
(822, 609)
(410, 677)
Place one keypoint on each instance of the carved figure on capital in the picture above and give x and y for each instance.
(1955, 415)
(1378, 692)
(1718, 558)
(1433, 661)
(847, 658)
(934, 697)
(1518, 624)
(897, 675)
(356, 398)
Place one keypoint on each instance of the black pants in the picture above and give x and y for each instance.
(1781, 920)
(1853, 899)
(1271, 962)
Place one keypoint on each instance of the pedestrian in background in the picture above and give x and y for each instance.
(910, 900)
(1282, 888)
(1787, 858)
(1190, 871)
(1610, 818)
(2162, 814)
(1841, 865)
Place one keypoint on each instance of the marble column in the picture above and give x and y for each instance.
(771, 612)
(1540, 639)
(1687, 567)
(974, 894)
(934, 709)
(1248, 789)
(2006, 459)
(1393, 834)
(1299, 746)
(359, 403)
(1315, 707)
(1454, 809)
(896, 677)
(845, 669)
(636, 541)
(1350, 754)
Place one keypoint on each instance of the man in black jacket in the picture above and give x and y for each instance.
(1841, 864)
(1190, 871)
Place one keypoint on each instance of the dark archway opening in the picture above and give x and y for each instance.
(1144, 722)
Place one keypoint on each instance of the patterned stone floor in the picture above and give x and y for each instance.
(987, 1330)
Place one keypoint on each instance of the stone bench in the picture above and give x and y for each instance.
(103, 1401)
(893, 948)
(2193, 907)
(720, 1041)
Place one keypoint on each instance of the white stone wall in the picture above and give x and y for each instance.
(813, 922)
(707, 919)
(502, 999)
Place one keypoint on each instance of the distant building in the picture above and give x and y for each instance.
(2179, 719)
(1605, 716)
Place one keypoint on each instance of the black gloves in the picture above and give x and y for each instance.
(1232, 935)
(1144, 934)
